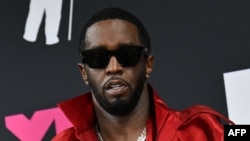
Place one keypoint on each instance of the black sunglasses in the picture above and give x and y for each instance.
(127, 56)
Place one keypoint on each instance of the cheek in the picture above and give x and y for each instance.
(136, 74)
(96, 76)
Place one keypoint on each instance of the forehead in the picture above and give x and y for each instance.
(111, 33)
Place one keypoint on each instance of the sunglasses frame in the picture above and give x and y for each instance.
(125, 59)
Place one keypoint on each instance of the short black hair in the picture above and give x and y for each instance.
(116, 13)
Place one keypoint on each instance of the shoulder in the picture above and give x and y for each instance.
(66, 135)
(201, 123)
(202, 111)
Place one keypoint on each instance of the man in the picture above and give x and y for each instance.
(122, 106)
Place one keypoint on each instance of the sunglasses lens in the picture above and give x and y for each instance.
(127, 56)
(95, 58)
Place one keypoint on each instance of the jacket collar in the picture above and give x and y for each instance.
(79, 110)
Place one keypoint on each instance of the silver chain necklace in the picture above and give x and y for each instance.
(142, 136)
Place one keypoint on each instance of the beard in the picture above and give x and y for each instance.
(120, 107)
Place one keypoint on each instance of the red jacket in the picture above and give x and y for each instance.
(197, 123)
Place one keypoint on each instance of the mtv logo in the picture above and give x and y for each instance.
(237, 86)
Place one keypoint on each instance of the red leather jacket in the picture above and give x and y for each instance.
(197, 123)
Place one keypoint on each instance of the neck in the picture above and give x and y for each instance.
(127, 127)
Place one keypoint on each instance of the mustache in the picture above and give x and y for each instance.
(115, 78)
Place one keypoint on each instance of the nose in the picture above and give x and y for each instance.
(114, 66)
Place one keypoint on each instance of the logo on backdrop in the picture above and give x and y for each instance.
(51, 9)
(27, 129)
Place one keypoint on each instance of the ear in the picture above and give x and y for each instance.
(83, 73)
(149, 65)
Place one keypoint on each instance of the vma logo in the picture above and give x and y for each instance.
(51, 9)
(35, 128)
(237, 86)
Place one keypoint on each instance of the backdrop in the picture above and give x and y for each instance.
(197, 45)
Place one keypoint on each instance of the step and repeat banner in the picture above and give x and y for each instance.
(201, 49)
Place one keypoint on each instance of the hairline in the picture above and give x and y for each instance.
(87, 29)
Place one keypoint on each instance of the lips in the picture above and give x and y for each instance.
(115, 87)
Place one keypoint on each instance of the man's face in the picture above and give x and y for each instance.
(116, 89)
